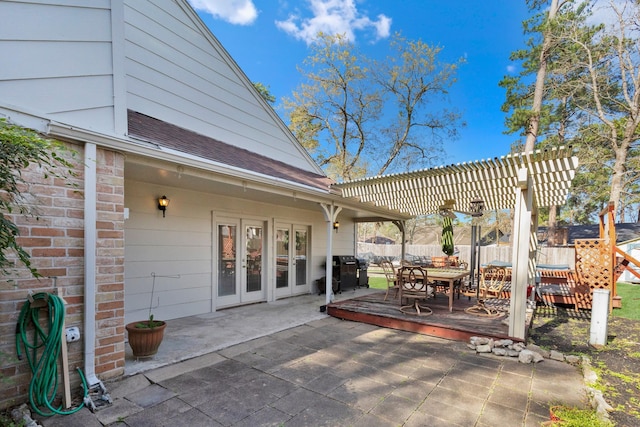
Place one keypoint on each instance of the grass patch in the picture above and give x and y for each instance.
(578, 417)
(376, 282)
(630, 294)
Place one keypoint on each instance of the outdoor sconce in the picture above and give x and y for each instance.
(336, 225)
(477, 207)
(163, 202)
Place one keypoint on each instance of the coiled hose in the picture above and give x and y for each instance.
(45, 343)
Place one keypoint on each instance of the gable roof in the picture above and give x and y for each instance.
(176, 138)
(426, 191)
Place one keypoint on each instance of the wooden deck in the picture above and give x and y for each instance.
(456, 325)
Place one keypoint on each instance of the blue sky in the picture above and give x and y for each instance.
(269, 38)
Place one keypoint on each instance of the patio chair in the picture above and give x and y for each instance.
(492, 281)
(391, 276)
(414, 286)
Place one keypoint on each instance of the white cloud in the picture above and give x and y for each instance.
(241, 12)
(511, 69)
(334, 17)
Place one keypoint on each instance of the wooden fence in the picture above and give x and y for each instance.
(546, 255)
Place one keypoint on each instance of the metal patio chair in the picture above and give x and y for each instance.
(492, 281)
(391, 276)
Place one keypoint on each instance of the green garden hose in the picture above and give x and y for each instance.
(43, 350)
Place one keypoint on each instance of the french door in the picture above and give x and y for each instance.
(292, 251)
(240, 260)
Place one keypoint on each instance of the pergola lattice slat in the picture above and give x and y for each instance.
(425, 191)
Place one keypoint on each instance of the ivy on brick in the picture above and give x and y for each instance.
(20, 149)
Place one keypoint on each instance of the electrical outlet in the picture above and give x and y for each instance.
(73, 334)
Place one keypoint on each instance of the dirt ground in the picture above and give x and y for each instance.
(617, 364)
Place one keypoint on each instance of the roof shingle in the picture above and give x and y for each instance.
(174, 137)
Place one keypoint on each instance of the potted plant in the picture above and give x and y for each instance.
(145, 336)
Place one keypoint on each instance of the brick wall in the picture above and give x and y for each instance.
(54, 237)
(110, 265)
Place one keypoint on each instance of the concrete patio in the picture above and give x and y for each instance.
(321, 371)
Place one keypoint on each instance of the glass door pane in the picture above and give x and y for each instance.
(282, 258)
(227, 239)
(253, 258)
(301, 257)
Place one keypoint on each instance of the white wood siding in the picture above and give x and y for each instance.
(56, 60)
(178, 73)
(181, 244)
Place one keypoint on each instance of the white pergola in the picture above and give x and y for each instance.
(522, 182)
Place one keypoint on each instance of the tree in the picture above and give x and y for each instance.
(264, 92)
(609, 63)
(19, 149)
(591, 96)
(545, 51)
(534, 111)
(358, 116)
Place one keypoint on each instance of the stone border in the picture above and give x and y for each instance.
(534, 354)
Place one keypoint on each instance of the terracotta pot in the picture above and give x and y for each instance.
(144, 341)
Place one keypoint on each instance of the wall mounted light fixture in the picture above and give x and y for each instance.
(336, 225)
(163, 202)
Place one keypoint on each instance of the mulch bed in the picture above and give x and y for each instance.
(617, 364)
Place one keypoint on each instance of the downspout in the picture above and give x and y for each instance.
(90, 216)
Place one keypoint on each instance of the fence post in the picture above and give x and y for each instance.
(599, 317)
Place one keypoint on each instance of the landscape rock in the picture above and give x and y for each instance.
(479, 340)
(22, 416)
(537, 357)
(499, 351)
(483, 348)
(539, 350)
(526, 356)
(518, 346)
(556, 355)
(574, 360)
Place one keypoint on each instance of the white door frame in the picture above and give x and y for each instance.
(238, 269)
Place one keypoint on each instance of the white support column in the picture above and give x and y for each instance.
(521, 254)
(331, 215)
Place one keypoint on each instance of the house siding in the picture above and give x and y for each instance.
(173, 69)
(179, 74)
(56, 60)
(181, 245)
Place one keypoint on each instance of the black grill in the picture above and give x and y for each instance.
(345, 271)
(363, 278)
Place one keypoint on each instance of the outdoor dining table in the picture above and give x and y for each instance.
(444, 275)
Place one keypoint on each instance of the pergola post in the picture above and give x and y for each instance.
(403, 247)
(522, 255)
(331, 215)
